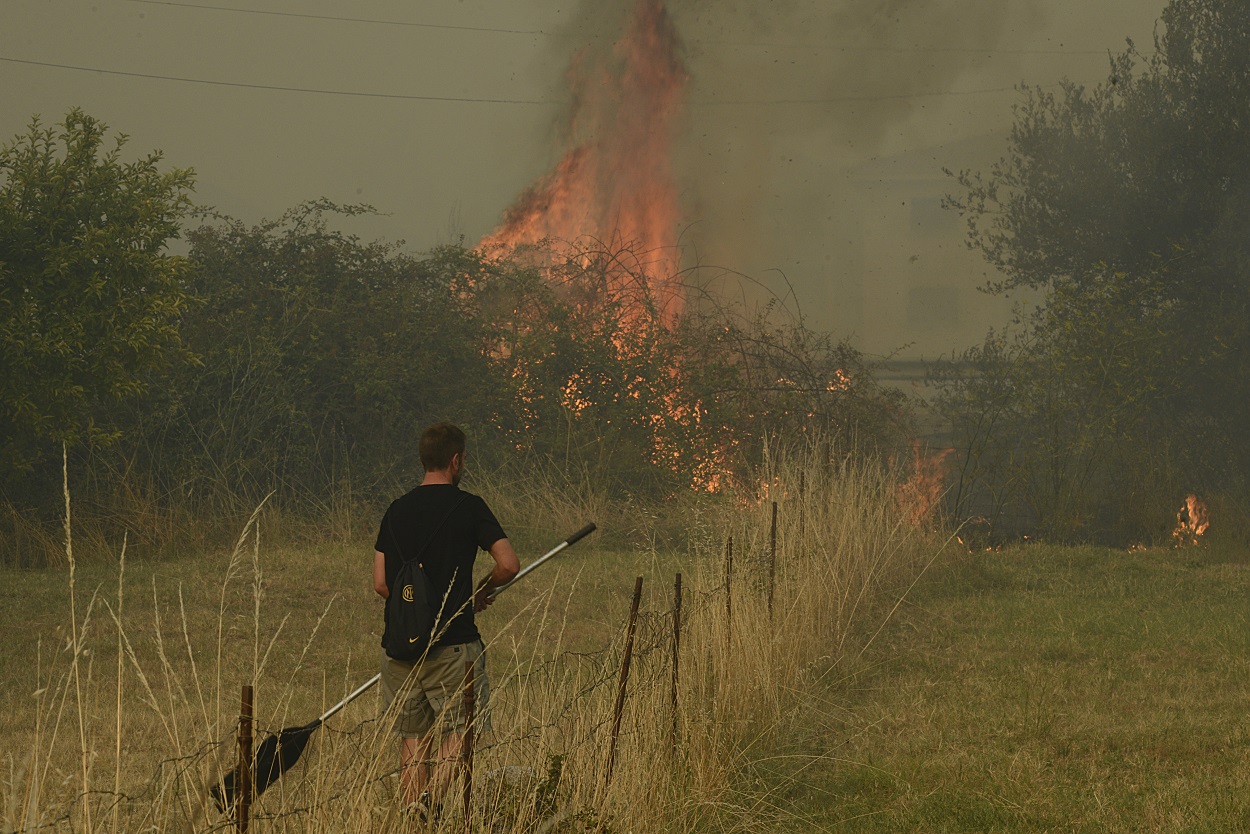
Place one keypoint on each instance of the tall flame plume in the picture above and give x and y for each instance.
(614, 184)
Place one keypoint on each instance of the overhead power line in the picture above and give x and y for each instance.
(379, 21)
(966, 50)
(853, 98)
(475, 100)
(914, 49)
(277, 87)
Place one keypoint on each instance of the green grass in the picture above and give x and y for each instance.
(320, 614)
(1040, 689)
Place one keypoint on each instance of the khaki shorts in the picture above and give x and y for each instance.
(431, 694)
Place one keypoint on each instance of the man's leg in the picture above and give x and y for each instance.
(414, 768)
(450, 709)
(445, 768)
(413, 719)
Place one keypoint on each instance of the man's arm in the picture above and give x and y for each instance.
(379, 574)
(506, 568)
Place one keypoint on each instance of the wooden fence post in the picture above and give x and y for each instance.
(620, 692)
(244, 783)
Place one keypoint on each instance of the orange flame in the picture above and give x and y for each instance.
(1191, 522)
(919, 495)
(615, 184)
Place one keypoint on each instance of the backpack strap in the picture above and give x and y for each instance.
(437, 529)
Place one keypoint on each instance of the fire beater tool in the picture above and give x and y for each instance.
(279, 752)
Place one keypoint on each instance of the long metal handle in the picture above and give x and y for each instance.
(359, 691)
(571, 540)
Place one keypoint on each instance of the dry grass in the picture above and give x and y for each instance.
(122, 718)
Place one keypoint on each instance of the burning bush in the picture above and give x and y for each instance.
(1191, 522)
(602, 368)
(320, 358)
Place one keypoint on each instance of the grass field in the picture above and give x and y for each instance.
(903, 686)
(194, 634)
(121, 681)
(1039, 689)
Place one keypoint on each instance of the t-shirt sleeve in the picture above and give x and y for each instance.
(384, 542)
(486, 529)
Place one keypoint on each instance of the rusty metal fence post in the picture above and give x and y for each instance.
(802, 504)
(620, 693)
(244, 807)
(470, 704)
(729, 594)
(772, 562)
(676, 655)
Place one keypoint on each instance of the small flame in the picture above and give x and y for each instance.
(1191, 522)
(840, 383)
(572, 398)
(918, 496)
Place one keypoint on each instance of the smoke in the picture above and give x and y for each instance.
(851, 70)
(787, 98)
(763, 110)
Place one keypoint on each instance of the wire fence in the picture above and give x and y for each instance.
(551, 720)
(542, 758)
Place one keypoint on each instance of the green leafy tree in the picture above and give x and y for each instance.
(1128, 207)
(321, 358)
(90, 296)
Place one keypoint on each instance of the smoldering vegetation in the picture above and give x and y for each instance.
(288, 359)
(1097, 412)
(308, 362)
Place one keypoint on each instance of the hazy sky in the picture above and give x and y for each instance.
(438, 113)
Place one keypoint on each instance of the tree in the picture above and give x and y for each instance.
(90, 297)
(321, 357)
(1128, 206)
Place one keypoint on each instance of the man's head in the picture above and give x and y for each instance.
(442, 450)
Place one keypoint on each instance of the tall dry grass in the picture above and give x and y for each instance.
(135, 743)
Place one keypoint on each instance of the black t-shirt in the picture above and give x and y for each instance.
(417, 519)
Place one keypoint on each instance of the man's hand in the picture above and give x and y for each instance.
(506, 567)
(482, 598)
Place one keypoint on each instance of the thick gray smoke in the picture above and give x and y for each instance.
(789, 99)
(849, 69)
(814, 135)
(785, 101)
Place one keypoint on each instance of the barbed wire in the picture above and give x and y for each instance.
(593, 673)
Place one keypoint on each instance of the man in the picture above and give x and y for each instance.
(443, 527)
